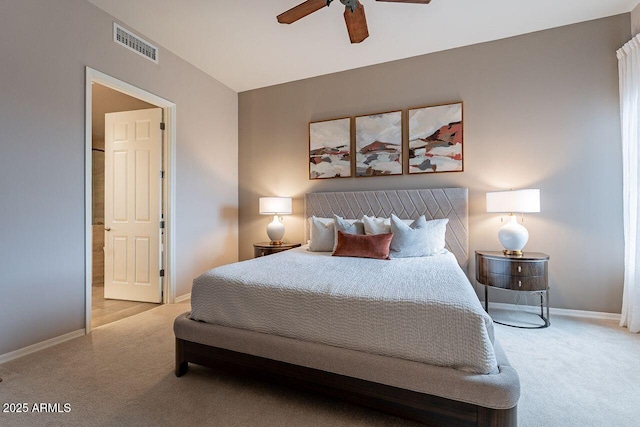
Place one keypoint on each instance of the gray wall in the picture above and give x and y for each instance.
(45, 46)
(540, 110)
(635, 20)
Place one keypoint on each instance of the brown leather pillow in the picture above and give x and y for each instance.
(355, 245)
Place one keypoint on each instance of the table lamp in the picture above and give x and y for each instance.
(275, 206)
(512, 235)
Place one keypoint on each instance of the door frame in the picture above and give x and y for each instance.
(168, 187)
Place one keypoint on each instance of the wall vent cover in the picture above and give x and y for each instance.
(134, 43)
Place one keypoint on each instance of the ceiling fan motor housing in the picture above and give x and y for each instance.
(351, 4)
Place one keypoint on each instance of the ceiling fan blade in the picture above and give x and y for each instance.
(356, 23)
(301, 10)
(407, 1)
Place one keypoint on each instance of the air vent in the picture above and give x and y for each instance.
(132, 42)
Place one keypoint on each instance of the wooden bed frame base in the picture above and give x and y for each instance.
(424, 408)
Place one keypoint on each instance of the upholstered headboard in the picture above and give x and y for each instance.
(434, 203)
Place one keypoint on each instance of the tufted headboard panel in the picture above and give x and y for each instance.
(434, 203)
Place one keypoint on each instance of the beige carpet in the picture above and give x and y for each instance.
(577, 372)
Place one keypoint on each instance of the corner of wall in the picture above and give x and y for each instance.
(635, 20)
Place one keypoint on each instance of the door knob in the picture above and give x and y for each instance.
(107, 229)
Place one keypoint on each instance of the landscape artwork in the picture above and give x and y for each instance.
(435, 139)
(330, 149)
(379, 144)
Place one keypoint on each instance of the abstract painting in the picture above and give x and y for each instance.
(435, 139)
(379, 144)
(330, 149)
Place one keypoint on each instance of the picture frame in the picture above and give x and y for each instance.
(378, 144)
(330, 149)
(436, 138)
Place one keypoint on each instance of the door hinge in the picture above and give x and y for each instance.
(161, 174)
(161, 224)
(162, 273)
(161, 125)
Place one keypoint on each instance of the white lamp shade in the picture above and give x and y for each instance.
(512, 201)
(275, 206)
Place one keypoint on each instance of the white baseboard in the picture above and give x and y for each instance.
(558, 311)
(40, 346)
(183, 298)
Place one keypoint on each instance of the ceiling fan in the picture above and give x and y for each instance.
(353, 15)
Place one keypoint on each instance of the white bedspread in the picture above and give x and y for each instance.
(422, 309)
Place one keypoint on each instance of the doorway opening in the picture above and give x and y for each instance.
(105, 307)
(130, 136)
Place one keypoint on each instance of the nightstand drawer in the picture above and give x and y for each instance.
(512, 267)
(516, 283)
(258, 252)
(266, 248)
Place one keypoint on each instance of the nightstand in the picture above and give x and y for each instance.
(526, 273)
(266, 248)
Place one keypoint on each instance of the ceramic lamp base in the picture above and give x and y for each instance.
(513, 237)
(275, 231)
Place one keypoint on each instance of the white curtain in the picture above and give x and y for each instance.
(629, 73)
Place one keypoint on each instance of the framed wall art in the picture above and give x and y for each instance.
(378, 150)
(435, 139)
(330, 149)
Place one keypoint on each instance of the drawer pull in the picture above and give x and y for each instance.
(519, 269)
(520, 283)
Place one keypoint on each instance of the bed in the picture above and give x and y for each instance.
(422, 373)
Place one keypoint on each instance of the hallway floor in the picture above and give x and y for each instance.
(105, 311)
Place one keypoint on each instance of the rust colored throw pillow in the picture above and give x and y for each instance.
(356, 245)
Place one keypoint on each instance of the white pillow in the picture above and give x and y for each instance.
(322, 234)
(421, 238)
(373, 225)
(349, 226)
(379, 225)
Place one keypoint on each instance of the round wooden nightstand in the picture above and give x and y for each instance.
(266, 248)
(526, 273)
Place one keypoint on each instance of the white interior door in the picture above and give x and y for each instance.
(132, 205)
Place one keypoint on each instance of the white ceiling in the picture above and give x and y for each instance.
(241, 44)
